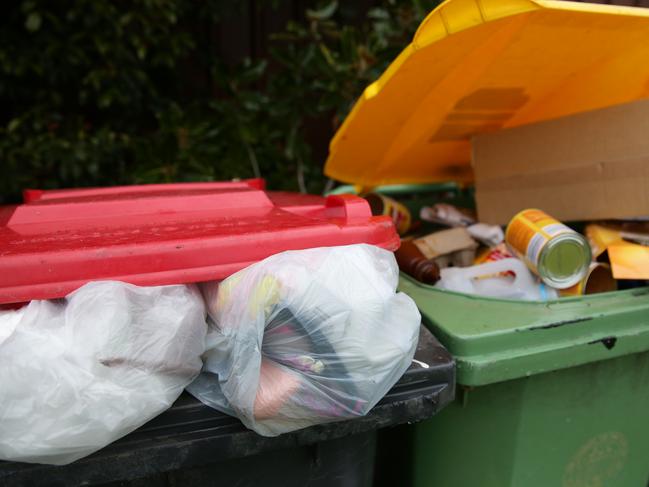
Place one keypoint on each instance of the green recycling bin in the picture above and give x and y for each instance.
(549, 394)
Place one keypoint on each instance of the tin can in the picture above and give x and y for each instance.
(384, 205)
(556, 253)
(598, 280)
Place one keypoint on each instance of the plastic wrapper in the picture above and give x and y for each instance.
(306, 337)
(79, 373)
(504, 278)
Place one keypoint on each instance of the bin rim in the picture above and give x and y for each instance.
(495, 340)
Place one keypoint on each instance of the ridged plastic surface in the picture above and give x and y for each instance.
(167, 234)
(480, 65)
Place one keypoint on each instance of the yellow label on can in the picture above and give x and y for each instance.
(399, 214)
(576, 290)
(529, 231)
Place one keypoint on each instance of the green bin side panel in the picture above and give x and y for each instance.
(585, 426)
(493, 340)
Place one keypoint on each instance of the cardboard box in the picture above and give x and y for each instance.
(588, 166)
(445, 242)
(445, 247)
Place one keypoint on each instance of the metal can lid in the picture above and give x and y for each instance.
(564, 260)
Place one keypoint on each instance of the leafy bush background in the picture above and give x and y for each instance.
(116, 92)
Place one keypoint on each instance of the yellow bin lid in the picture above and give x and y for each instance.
(481, 65)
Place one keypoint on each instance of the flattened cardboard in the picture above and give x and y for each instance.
(593, 165)
(600, 237)
(629, 261)
(445, 242)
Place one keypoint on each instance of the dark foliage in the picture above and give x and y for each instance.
(116, 92)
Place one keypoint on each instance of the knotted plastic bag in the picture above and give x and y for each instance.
(306, 337)
(81, 372)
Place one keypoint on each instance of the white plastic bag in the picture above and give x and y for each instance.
(489, 280)
(306, 337)
(79, 373)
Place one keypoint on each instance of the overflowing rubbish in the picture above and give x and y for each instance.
(301, 338)
(536, 257)
(78, 373)
(306, 337)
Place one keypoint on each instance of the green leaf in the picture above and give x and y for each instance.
(33, 22)
(324, 13)
(291, 141)
(326, 53)
(13, 125)
(378, 14)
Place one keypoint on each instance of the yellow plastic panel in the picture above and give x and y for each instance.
(482, 65)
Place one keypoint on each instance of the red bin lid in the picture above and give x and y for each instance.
(167, 233)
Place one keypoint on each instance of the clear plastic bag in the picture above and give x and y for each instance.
(306, 337)
(79, 373)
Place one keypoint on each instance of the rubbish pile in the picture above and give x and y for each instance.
(78, 373)
(533, 257)
(301, 338)
(585, 169)
(320, 331)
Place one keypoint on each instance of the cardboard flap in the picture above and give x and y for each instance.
(593, 165)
